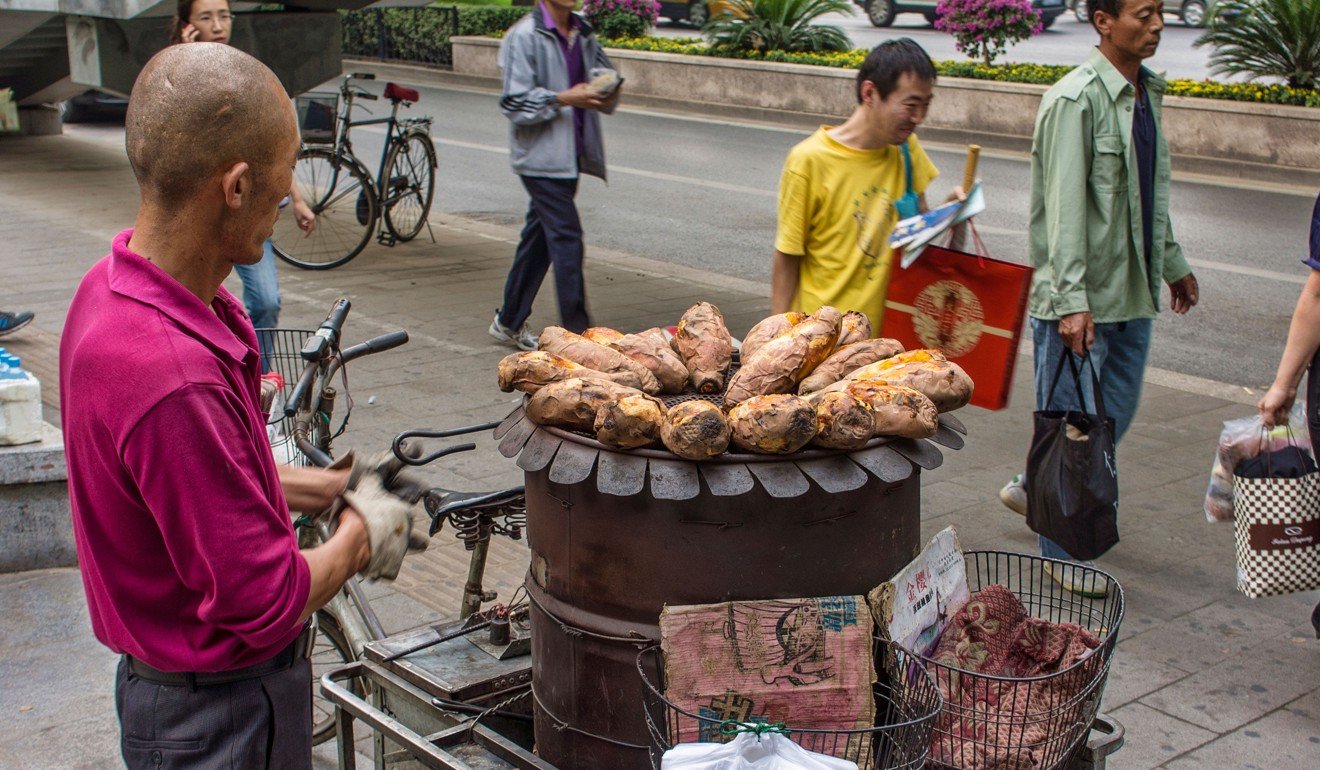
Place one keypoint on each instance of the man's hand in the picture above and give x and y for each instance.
(1184, 293)
(613, 98)
(1078, 332)
(581, 95)
(303, 215)
(956, 194)
(1275, 405)
(389, 523)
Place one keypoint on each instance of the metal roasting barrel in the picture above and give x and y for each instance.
(616, 535)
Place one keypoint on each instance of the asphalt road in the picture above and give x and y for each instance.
(1067, 42)
(701, 193)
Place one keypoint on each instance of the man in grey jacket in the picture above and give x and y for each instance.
(554, 135)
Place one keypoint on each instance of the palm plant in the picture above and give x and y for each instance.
(1267, 38)
(779, 25)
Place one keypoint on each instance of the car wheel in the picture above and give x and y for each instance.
(881, 13)
(931, 17)
(698, 14)
(1193, 13)
(1046, 22)
(1080, 11)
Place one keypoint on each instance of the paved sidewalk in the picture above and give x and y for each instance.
(1203, 676)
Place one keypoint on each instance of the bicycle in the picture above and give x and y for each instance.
(303, 432)
(350, 205)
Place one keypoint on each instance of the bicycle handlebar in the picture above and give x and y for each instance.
(374, 345)
(362, 76)
(407, 458)
(317, 348)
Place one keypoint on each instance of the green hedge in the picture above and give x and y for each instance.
(1044, 74)
(421, 34)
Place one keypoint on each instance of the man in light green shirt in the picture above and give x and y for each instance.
(1100, 237)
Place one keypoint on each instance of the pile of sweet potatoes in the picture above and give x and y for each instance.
(805, 380)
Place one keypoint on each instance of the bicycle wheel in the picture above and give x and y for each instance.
(343, 198)
(411, 185)
(331, 652)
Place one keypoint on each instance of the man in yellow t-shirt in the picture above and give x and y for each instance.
(844, 188)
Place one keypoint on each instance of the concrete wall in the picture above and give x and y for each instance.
(35, 528)
(1267, 143)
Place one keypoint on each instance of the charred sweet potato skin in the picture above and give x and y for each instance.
(531, 370)
(593, 355)
(656, 355)
(773, 424)
(767, 329)
(778, 365)
(843, 422)
(695, 430)
(631, 422)
(854, 327)
(704, 344)
(602, 335)
(573, 403)
(848, 358)
(897, 411)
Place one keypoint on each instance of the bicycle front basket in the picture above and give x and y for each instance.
(316, 117)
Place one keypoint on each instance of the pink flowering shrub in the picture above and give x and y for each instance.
(616, 19)
(984, 29)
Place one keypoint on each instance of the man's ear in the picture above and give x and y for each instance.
(237, 184)
(1103, 23)
(869, 93)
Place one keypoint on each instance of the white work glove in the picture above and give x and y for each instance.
(387, 468)
(390, 530)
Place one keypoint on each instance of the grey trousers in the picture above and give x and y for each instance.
(264, 722)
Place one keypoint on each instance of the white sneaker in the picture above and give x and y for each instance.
(1078, 581)
(1014, 495)
(523, 339)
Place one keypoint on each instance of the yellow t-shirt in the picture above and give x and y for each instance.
(836, 211)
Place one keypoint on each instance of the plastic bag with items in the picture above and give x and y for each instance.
(750, 751)
(1241, 439)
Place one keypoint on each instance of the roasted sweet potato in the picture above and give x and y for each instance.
(944, 382)
(695, 430)
(656, 355)
(593, 355)
(767, 329)
(630, 422)
(778, 365)
(602, 335)
(704, 344)
(848, 358)
(854, 327)
(573, 403)
(775, 424)
(843, 422)
(897, 411)
(920, 355)
(531, 370)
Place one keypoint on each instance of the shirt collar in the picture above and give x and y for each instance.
(1113, 80)
(220, 326)
(543, 21)
(550, 20)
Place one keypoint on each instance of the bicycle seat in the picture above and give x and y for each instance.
(397, 93)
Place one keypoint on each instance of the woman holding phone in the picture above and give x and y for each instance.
(211, 21)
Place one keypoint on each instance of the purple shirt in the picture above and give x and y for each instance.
(577, 72)
(187, 550)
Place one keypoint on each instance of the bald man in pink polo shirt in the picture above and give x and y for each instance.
(181, 516)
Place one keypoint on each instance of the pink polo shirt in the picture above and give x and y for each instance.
(187, 550)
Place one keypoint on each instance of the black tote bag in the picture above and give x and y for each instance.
(1072, 477)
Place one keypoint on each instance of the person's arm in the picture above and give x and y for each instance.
(302, 213)
(335, 561)
(1063, 141)
(783, 281)
(1303, 341)
(527, 103)
(311, 490)
(1184, 292)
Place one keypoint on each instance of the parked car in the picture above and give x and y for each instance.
(1193, 13)
(694, 12)
(93, 105)
(881, 13)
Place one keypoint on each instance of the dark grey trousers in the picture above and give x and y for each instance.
(264, 722)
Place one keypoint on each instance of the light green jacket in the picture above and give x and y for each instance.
(1085, 239)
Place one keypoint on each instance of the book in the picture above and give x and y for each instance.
(913, 234)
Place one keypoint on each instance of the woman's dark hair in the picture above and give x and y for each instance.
(887, 62)
(181, 20)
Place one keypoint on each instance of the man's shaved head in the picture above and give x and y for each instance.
(198, 109)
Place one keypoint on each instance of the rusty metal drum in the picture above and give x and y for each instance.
(617, 535)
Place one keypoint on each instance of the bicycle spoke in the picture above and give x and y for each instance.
(345, 207)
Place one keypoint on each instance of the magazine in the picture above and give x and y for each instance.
(913, 234)
(913, 608)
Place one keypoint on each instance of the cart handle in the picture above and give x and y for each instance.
(1109, 740)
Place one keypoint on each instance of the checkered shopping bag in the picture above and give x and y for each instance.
(1277, 528)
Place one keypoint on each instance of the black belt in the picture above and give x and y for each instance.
(299, 648)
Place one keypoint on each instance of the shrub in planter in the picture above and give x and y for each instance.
(621, 19)
(779, 25)
(984, 29)
(1267, 38)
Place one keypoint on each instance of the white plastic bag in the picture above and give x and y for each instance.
(749, 751)
(1240, 439)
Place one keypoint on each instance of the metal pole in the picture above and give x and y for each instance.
(380, 29)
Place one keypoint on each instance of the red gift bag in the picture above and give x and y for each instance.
(968, 307)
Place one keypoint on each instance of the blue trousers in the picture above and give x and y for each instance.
(1119, 355)
(551, 236)
(261, 295)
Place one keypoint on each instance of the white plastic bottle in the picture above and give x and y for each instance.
(20, 403)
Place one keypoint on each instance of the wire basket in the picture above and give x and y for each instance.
(282, 353)
(316, 117)
(1037, 722)
(906, 704)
